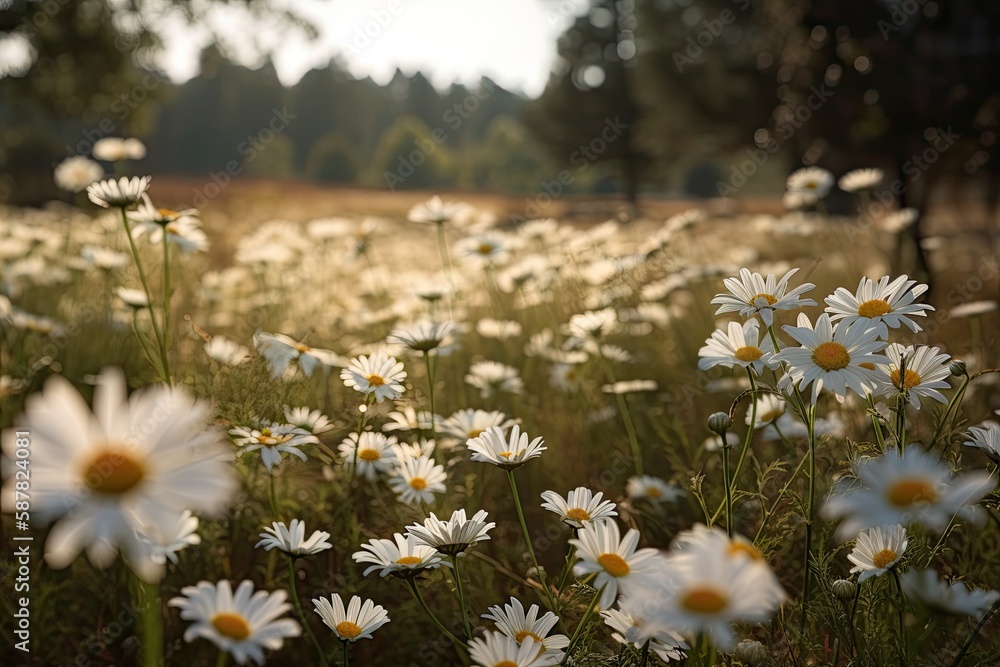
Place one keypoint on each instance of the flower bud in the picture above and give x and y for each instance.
(719, 422)
(844, 589)
(957, 368)
(752, 653)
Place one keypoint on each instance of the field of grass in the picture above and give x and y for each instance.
(339, 272)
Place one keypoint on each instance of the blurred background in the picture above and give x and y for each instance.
(630, 101)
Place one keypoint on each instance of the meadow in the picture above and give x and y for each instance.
(696, 438)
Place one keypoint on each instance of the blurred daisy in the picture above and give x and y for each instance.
(136, 461)
(166, 539)
(619, 567)
(243, 624)
(454, 536)
(897, 221)
(377, 375)
(225, 351)
(313, 421)
(402, 556)
(116, 149)
(795, 200)
(626, 623)
(986, 440)
(876, 550)
(770, 407)
(184, 232)
(416, 479)
(409, 419)
(860, 179)
(507, 452)
(832, 357)
(280, 351)
(487, 249)
(292, 539)
(104, 258)
(513, 621)
(439, 212)
(580, 507)
(593, 324)
(565, 377)
(652, 488)
(358, 621)
(75, 173)
(927, 588)
(751, 294)
(881, 304)
(741, 346)
(924, 372)
(489, 377)
(974, 308)
(915, 486)
(496, 649)
(422, 336)
(374, 453)
(470, 423)
(629, 387)
(121, 193)
(499, 329)
(273, 440)
(813, 180)
(133, 298)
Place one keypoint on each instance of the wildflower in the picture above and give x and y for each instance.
(75, 173)
(121, 193)
(881, 304)
(242, 624)
(956, 598)
(225, 351)
(811, 180)
(877, 550)
(439, 212)
(377, 375)
(619, 567)
(580, 507)
(358, 621)
(860, 179)
(491, 376)
(292, 539)
(403, 556)
(923, 372)
(769, 408)
(626, 622)
(974, 308)
(629, 387)
(653, 489)
(165, 539)
(280, 351)
(422, 336)
(454, 536)
(273, 439)
(897, 221)
(741, 346)
(513, 621)
(507, 452)
(986, 440)
(470, 423)
(374, 453)
(593, 324)
(116, 149)
(751, 294)
(496, 649)
(500, 329)
(313, 421)
(416, 479)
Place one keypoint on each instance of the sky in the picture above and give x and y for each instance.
(511, 41)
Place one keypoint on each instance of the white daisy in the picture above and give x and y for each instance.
(117, 149)
(470, 423)
(499, 329)
(121, 193)
(133, 462)
(374, 453)
(751, 293)
(273, 439)
(422, 336)
(243, 624)
(897, 221)
(593, 324)
(770, 407)
(507, 452)
(974, 308)
(927, 588)
(313, 421)
(377, 375)
(402, 556)
(741, 346)
(837, 358)
(356, 622)
(812, 180)
(184, 232)
(580, 507)
(923, 372)
(490, 377)
(652, 488)
(881, 304)
(416, 479)
(104, 258)
(496, 649)
(292, 539)
(225, 351)
(133, 298)
(513, 621)
(75, 173)
(860, 179)
(483, 249)
(409, 419)
(454, 536)
(166, 539)
(876, 550)
(986, 440)
(630, 387)
(899, 488)
(280, 351)
(439, 212)
(626, 621)
(619, 567)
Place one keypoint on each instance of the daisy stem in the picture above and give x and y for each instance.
(876, 424)
(901, 422)
(152, 623)
(430, 394)
(731, 483)
(459, 644)
(850, 621)
(952, 405)
(292, 585)
(527, 540)
(461, 597)
(150, 357)
(633, 440)
(729, 489)
(972, 636)
(583, 622)
(901, 603)
(165, 375)
(222, 659)
(644, 658)
(273, 497)
(362, 420)
(810, 506)
(570, 557)
(777, 500)
(347, 659)
(164, 344)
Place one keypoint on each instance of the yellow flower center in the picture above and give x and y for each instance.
(704, 601)
(369, 455)
(745, 549)
(578, 514)
(909, 491)
(506, 455)
(831, 356)
(376, 380)
(748, 353)
(874, 308)
(867, 365)
(910, 379)
(654, 492)
(113, 472)
(810, 185)
(348, 629)
(265, 432)
(524, 634)
(476, 432)
(614, 565)
(301, 348)
(408, 560)
(231, 625)
(485, 248)
(506, 663)
(884, 558)
(167, 214)
(770, 298)
(770, 416)
(418, 483)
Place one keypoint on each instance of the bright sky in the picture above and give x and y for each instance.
(511, 41)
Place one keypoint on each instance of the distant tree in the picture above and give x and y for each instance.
(333, 159)
(508, 158)
(409, 156)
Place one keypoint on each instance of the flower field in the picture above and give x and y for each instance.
(433, 437)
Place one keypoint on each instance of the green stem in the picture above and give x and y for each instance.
(972, 636)
(430, 393)
(623, 409)
(729, 487)
(461, 597)
(876, 424)
(810, 508)
(362, 420)
(412, 585)
(347, 659)
(854, 611)
(952, 405)
(527, 540)
(273, 497)
(145, 288)
(901, 602)
(582, 623)
(777, 500)
(152, 623)
(901, 421)
(302, 617)
(644, 658)
(165, 343)
(222, 659)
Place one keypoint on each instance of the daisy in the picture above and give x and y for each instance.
(897, 221)
(470, 423)
(580, 507)
(652, 488)
(565, 377)
(974, 308)
(490, 377)
(795, 200)
(741, 346)
(313, 421)
(626, 622)
(374, 453)
(811, 180)
(108, 475)
(630, 387)
(986, 440)
(292, 539)
(507, 452)
(75, 173)
(133, 298)
(487, 249)
(416, 479)
(243, 624)
(751, 294)
(225, 351)
(184, 232)
(926, 587)
(272, 440)
(121, 193)
(770, 407)
(899, 488)
(834, 357)
(166, 539)
(402, 556)
(499, 329)
(860, 179)
(496, 649)
(619, 567)
(377, 375)
(104, 258)
(923, 372)
(454, 536)
(881, 304)
(356, 622)
(280, 351)
(116, 149)
(513, 621)
(876, 550)
(439, 212)
(409, 419)
(422, 336)
(593, 324)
